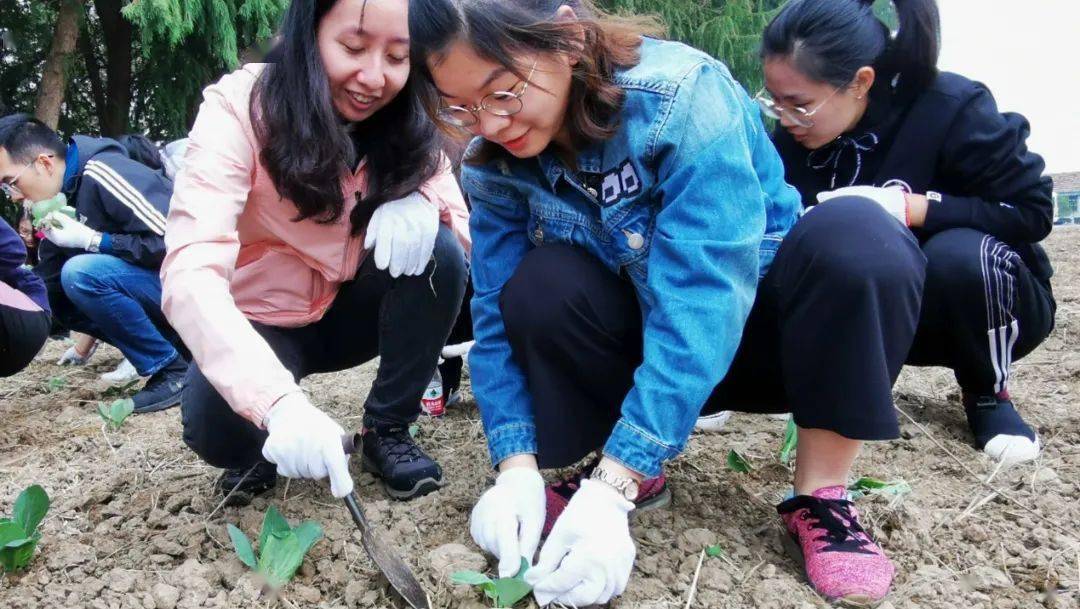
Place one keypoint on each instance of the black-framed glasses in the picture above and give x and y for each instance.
(796, 114)
(499, 103)
(10, 188)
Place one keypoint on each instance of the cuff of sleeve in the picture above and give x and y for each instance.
(105, 245)
(949, 212)
(637, 450)
(257, 414)
(512, 439)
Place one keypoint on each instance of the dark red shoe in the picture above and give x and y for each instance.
(653, 493)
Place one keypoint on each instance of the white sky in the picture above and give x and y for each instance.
(1028, 53)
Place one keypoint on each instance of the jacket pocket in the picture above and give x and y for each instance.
(275, 285)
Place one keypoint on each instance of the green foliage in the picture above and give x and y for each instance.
(281, 547)
(55, 383)
(116, 413)
(791, 439)
(738, 463)
(504, 592)
(19, 535)
(43, 208)
(872, 486)
(714, 551)
(729, 30)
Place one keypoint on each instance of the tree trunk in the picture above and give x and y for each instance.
(118, 71)
(88, 49)
(54, 76)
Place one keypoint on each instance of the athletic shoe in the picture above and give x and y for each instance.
(243, 484)
(406, 470)
(163, 389)
(841, 561)
(999, 429)
(123, 374)
(653, 493)
(712, 422)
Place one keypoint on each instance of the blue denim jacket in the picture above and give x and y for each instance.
(687, 200)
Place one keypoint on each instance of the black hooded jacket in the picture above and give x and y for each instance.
(951, 139)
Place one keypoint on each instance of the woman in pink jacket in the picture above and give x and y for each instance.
(315, 225)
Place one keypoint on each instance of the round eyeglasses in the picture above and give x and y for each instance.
(796, 114)
(499, 103)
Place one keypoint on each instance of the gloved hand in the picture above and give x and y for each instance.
(67, 232)
(508, 518)
(305, 443)
(403, 234)
(72, 357)
(892, 200)
(588, 556)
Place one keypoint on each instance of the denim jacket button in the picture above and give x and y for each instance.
(635, 241)
(538, 234)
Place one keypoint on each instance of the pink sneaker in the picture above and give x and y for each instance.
(842, 562)
(653, 493)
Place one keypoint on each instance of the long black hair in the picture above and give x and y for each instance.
(139, 148)
(829, 40)
(305, 147)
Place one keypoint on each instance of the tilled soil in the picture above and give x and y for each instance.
(135, 522)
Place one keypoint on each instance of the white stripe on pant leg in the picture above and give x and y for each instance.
(992, 337)
(983, 253)
(1015, 327)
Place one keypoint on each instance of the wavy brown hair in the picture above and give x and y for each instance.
(499, 30)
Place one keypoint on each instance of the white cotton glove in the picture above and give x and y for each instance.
(509, 517)
(71, 357)
(588, 556)
(892, 200)
(403, 235)
(305, 443)
(71, 232)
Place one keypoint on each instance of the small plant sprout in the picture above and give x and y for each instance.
(56, 383)
(872, 486)
(20, 535)
(41, 209)
(116, 413)
(791, 439)
(738, 463)
(503, 592)
(714, 551)
(281, 547)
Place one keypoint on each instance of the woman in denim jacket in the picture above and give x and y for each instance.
(628, 214)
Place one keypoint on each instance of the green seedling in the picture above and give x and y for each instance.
(20, 535)
(504, 592)
(56, 383)
(714, 551)
(413, 430)
(281, 547)
(872, 486)
(114, 414)
(738, 463)
(41, 209)
(791, 439)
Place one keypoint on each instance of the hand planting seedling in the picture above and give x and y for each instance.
(19, 535)
(40, 210)
(791, 439)
(114, 414)
(738, 463)
(504, 592)
(281, 548)
(872, 486)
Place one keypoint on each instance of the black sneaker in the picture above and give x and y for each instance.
(240, 486)
(404, 467)
(163, 389)
(999, 429)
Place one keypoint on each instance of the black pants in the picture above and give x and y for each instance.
(22, 333)
(982, 309)
(827, 336)
(404, 321)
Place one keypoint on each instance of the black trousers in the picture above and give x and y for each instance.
(404, 321)
(22, 333)
(982, 309)
(827, 336)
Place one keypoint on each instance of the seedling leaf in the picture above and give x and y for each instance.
(413, 430)
(470, 578)
(242, 545)
(510, 590)
(791, 439)
(30, 509)
(872, 486)
(56, 383)
(279, 558)
(116, 413)
(714, 551)
(737, 463)
(308, 533)
(16, 547)
(43, 208)
(273, 524)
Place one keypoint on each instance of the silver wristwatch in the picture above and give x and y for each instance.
(625, 485)
(95, 244)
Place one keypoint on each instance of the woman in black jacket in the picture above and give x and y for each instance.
(864, 111)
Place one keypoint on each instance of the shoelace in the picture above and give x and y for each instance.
(400, 446)
(842, 530)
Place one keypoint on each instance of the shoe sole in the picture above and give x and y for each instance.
(157, 406)
(794, 550)
(421, 488)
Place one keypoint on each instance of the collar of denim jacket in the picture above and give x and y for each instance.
(589, 160)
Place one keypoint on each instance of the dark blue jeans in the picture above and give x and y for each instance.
(119, 303)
